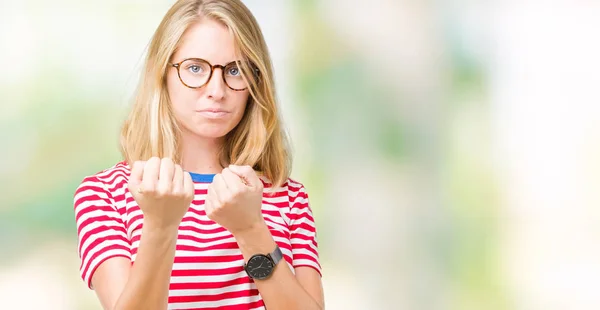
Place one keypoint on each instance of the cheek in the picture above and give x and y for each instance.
(179, 95)
(240, 103)
(240, 110)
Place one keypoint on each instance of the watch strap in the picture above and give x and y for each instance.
(276, 255)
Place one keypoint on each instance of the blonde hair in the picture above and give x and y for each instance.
(259, 139)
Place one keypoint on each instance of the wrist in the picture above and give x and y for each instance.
(159, 228)
(257, 239)
(257, 228)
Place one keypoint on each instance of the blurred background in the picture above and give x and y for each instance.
(450, 148)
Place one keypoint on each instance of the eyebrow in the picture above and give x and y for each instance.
(186, 58)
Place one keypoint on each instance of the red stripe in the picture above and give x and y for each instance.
(221, 246)
(290, 199)
(304, 256)
(206, 272)
(93, 207)
(217, 297)
(303, 246)
(209, 285)
(117, 232)
(119, 185)
(209, 259)
(87, 266)
(302, 237)
(106, 175)
(105, 219)
(186, 226)
(203, 240)
(302, 225)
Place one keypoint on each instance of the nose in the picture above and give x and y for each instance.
(215, 87)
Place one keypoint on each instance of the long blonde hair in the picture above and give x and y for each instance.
(259, 139)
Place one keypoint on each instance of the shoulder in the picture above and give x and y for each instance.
(288, 185)
(106, 180)
(292, 189)
(295, 186)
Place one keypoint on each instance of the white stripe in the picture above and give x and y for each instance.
(299, 200)
(306, 262)
(302, 231)
(303, 251)
(98, 236)
(214, 304)
(227, 252)
(208, 266)
(204, 235)
(209, 279)
(88, 192)
(216, 291)
(280, 199)
(93, 215)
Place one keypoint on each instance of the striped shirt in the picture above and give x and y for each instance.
(208, 267)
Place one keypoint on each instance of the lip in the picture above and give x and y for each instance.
(213, 113)
(212, 110)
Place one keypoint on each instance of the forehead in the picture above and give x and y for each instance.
(209, 40)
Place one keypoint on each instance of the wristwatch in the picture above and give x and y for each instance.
(261, 266)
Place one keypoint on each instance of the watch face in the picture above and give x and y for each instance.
(259, 267)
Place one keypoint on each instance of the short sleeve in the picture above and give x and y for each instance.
(100, 229)
(303, 232)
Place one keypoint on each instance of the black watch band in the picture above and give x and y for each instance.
(276, 255)
(261, 266)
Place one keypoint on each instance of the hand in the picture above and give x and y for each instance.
(234, 199)
(162, 190)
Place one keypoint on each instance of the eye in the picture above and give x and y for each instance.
(233, 71)
(194, 68)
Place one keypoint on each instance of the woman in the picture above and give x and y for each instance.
(201, 213)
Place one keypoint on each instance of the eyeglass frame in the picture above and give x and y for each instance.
(212, 70)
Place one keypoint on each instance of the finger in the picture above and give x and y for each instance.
(247, 174)
(165, 178)
(210, 203)
(178, 179)
(232, 180)
(151, 171)
(188, 184)
(137, 172)
(219, 187)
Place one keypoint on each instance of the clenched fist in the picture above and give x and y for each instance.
(234, 199)
(162, 190)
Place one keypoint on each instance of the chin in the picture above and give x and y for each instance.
(212, 133)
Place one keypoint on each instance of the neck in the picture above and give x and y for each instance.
(200, 155)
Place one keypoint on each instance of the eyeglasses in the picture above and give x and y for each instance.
(196, 72)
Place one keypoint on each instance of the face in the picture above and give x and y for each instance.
(213, 110)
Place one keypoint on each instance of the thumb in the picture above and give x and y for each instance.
(247, 174)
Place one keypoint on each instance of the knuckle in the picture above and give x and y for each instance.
(149, 187)
(239, 191)
(226, 197)
(163, 191)
(190, 196)
(177, 193)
